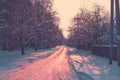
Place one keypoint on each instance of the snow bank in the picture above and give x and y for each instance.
(92, 67)
(11, 60)
(81, 65)
(55, 67)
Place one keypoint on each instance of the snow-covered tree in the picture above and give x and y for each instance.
(4, 30)
(48, 33)
(32, 23)
(88, 26)
(20, 18)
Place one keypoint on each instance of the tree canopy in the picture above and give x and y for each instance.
(29, 24)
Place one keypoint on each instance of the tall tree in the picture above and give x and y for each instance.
(19, 19)
(48, 24)
(3, 25)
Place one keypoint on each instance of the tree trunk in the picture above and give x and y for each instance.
(22, 45)
(11, 43)
(35, 46)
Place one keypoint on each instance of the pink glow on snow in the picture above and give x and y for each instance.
(54, 67)
(96, 72)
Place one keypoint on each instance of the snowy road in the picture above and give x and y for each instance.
(54, 67)
(60, 63)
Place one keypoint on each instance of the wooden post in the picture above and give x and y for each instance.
(118, 29)
(111, 31)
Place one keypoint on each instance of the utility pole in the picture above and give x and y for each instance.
(111, 31)
(118, 30)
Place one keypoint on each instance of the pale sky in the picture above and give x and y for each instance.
(67, 9)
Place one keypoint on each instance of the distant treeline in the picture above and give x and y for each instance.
(89, 27)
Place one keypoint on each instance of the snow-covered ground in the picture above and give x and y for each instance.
(53, 67)
(56, 64)
(93, 67)
(11, 60)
